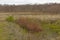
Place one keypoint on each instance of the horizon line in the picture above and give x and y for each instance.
(31, 3)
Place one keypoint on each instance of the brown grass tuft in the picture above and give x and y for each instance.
(28, 24)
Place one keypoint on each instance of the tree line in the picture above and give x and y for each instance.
(52, 8)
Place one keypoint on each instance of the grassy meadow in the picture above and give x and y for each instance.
(29, 26)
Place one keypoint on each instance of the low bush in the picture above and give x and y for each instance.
(29, 24)
(10, 19)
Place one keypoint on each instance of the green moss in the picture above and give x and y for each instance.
(52, 26)
(2, 31)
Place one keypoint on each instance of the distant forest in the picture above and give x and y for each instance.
(51, 8)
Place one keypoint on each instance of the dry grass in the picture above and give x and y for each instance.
(27, 14)
(11, 31)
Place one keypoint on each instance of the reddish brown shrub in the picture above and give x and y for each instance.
(29, 25)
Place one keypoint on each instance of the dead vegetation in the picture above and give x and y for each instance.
(29, 24)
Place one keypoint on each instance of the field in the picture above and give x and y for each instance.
(38, 15)
(49, 23)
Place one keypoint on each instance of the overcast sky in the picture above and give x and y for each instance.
(28, 1)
